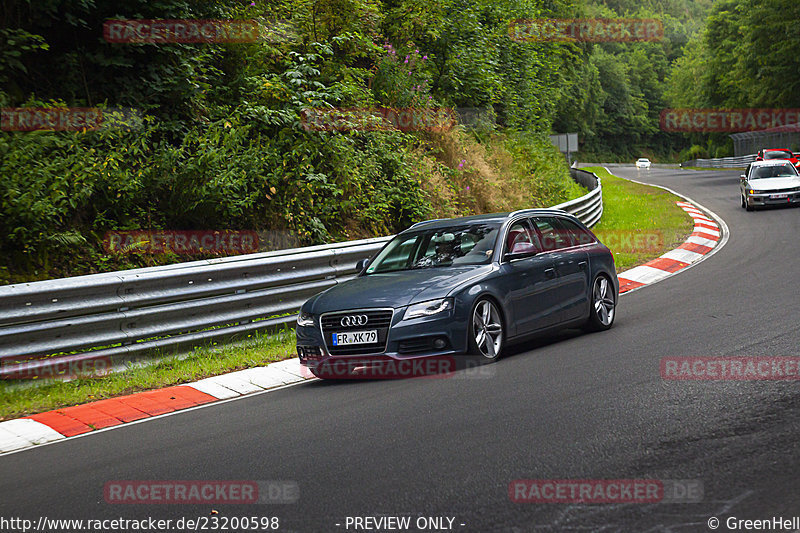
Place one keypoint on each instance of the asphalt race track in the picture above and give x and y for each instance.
(577, 406)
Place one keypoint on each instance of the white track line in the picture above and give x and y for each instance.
(677, 254)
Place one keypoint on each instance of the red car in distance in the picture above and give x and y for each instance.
(768, 154)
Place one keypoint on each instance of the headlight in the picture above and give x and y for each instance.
(304, 319)
(431, 307)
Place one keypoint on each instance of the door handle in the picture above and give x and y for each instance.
(582, 265)
(549, 272)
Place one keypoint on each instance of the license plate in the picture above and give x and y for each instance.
(355, 337)
(778, 196)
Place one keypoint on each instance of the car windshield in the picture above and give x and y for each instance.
(460, 245)
(774, 171)
(777, 154)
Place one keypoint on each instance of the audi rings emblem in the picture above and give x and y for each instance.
(354, 320)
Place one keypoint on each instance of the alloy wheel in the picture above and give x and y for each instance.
(487, 329)
(603, 301)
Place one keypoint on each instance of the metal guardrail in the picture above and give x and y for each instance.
(589, 207)
(721, 162)
(652, 165)
(51, 327)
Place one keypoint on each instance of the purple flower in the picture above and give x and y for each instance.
(252, 3)
(424, 58)
(467, 187)
(416, 51)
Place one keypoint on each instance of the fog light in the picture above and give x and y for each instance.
(439, 344)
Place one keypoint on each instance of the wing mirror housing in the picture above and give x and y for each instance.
(520, 255)
(362, 265)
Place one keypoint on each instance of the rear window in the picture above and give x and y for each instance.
(777, 154)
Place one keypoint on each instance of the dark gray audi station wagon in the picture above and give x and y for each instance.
(467, 286)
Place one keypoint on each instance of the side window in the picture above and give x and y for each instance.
(578, 235)
(553, 237)
(520, 239)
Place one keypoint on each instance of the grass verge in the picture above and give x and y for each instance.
(639, 222)
(19, 400)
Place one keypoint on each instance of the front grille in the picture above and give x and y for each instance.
(377, 319)
(780, 191)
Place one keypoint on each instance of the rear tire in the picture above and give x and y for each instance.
(603, 308)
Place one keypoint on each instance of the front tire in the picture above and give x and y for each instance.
(604, 305)
(486, 332)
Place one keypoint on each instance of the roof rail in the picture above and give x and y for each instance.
(533, 209)
(425, 222)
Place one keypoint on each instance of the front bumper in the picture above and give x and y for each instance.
(765, 199)
(418, 338)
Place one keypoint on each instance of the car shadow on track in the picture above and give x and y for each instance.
(457, 366)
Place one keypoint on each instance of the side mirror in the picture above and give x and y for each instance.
(361, 265)
(519, 255)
